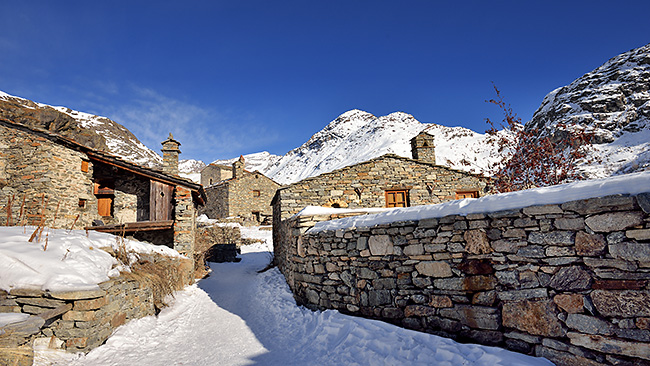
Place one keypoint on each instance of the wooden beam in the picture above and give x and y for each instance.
(134, 226)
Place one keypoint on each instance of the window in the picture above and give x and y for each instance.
(466, 194)
(84, 166)
(82, 203)
(105, 206)
(397, 198)
(256, 193)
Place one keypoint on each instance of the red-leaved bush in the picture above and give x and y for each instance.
(534, 158)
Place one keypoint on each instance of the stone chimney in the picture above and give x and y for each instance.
(238, 168)
(423, 149)
(170, 152)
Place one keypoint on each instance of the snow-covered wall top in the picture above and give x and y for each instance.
(632, 184)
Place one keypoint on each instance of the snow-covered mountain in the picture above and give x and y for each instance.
(613, 101)
(357, 136)
(94, 131)
(260, 161)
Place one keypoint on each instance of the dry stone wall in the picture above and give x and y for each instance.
(47, 177)
(78, 320)
(569, 282)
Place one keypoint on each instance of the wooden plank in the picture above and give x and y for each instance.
(160, 201)
(134, 226)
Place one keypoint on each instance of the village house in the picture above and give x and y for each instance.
(244, 195)
(386, 181)
(215, 173)
(50, 180)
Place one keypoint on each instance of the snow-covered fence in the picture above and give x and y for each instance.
(565, 280)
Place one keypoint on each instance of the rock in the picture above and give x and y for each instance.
(643, 200)
(589, 244)
(563, 223)
(527, 294)
(77, 295)
(542, 210)
(415, 249)
(610, 345)
(476, 266)
(631, 251)
(439, 301)
(531, 251)
(419, 310)
(362, 243)
(477, 242)
(619, 284)
(434, 269)
(571, 279)
(564, 358)
(622, 303)
(17, 356)
(474, 316)
(479, 283)
(379, 297)
(641, 234)
(534, 317)
(571, 303)
(588, 324)
(614, 221)
(380, 245)
(551, 238)
(600, 204)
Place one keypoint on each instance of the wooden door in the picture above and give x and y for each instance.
(160, 201)
(396, 198)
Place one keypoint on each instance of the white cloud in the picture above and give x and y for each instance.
(204, 133)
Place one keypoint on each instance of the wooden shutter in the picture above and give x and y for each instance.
(104, 206)
(468, 194)
(396, 198)
(160, 201)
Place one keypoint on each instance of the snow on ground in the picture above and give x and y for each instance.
(240, 317)
(72, 259)
(622, 184)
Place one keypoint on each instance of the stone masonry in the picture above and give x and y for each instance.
(569, 282)
(364, 185)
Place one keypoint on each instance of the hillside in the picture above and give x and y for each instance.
(613, 101)
(93, 131)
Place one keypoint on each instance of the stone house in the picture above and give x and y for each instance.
(215, 173)
(50, 180)
(386, 181)
(245, 194)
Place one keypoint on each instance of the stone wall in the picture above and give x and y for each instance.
(248, 197)
(81, 320)
(214, 173)
(47, 177)
(184, 221)
(569, 282)
(364, 185)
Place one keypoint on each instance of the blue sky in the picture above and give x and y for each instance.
(237, 77)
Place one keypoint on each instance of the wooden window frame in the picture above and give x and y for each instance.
(466, 194)
(84, 166)
(392, 202)
(257, 193)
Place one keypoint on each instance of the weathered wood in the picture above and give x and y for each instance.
(134, 226)
(160, 201)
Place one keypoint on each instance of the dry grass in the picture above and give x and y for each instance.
(164, 277)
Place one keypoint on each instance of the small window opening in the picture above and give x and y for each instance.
(84, 166)
(256, 193)
(82, 203)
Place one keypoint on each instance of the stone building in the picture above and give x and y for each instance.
(50, 180)
(246, 195)
(386, 181)
(215, 173)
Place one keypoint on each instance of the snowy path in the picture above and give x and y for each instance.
(240, 317)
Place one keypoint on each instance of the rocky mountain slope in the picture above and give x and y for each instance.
(357, 136)
(613, 101)
(94, 131)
